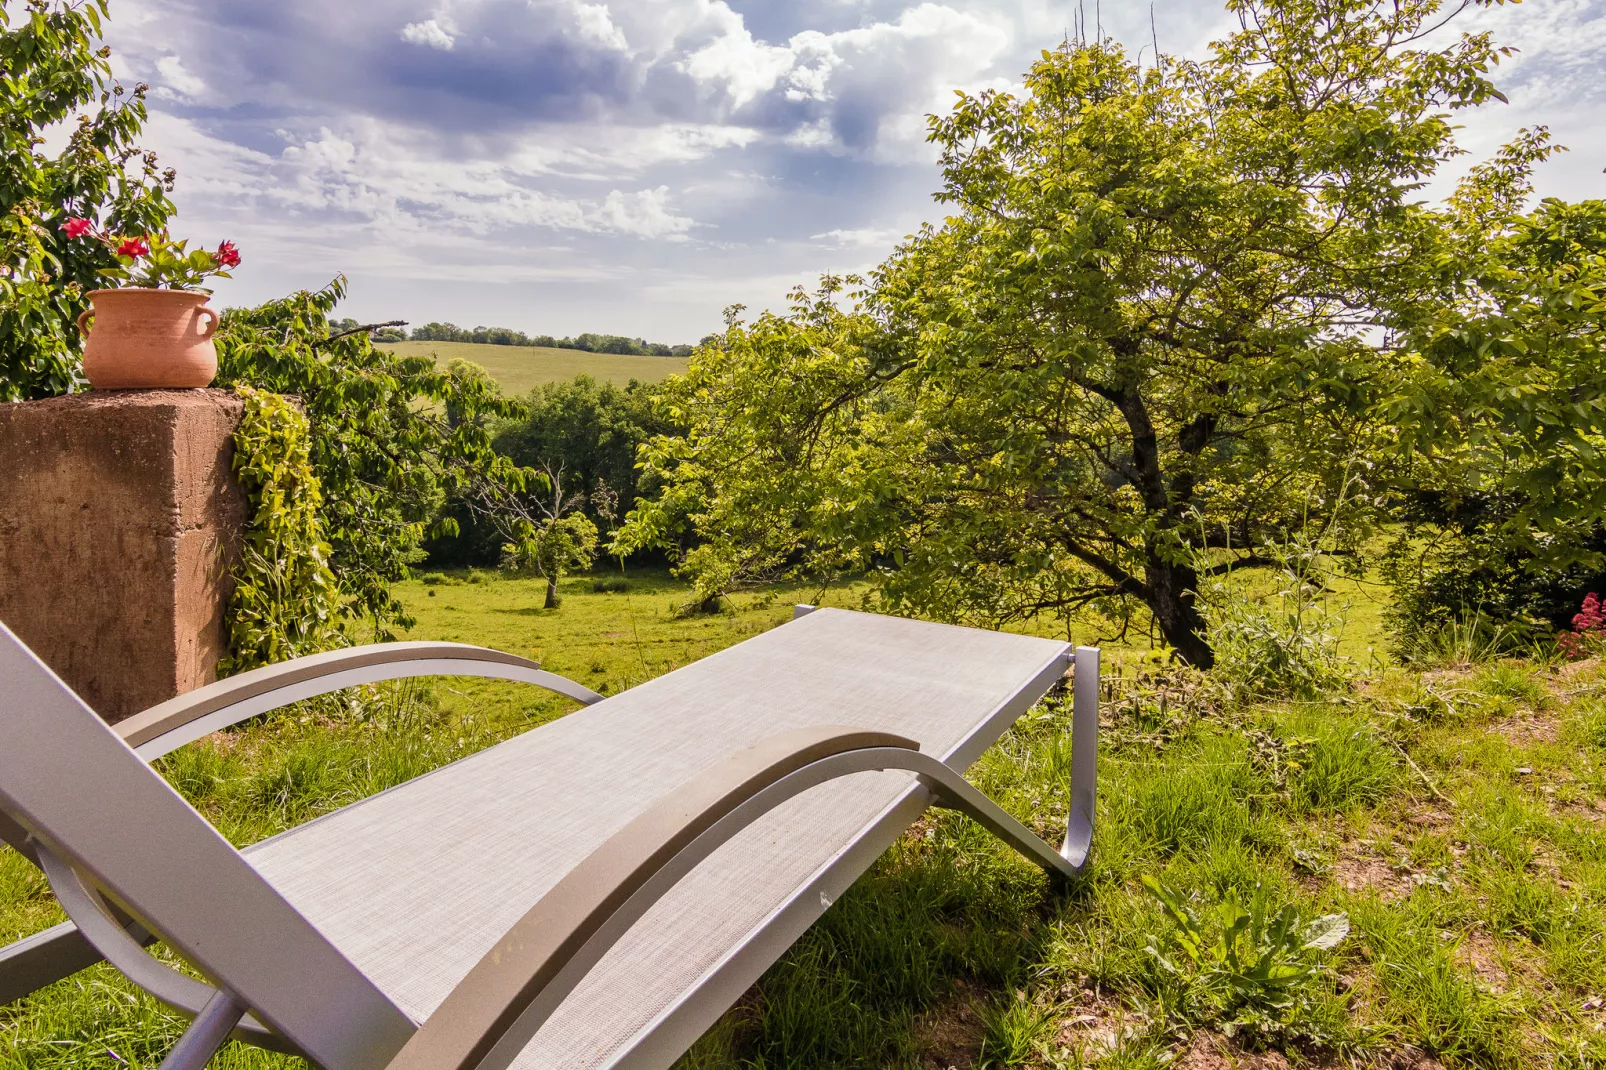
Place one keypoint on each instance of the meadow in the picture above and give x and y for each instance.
(520, 369)
(1452, 812)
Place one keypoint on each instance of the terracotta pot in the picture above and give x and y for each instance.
(144, 339)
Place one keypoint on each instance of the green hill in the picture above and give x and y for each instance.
(519, 369)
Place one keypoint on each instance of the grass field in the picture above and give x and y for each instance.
(1456, 817)
(519, 369)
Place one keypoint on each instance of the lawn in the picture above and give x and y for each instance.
(520, 369)
(1454, 815)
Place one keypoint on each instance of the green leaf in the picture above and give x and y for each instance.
(1326, 932)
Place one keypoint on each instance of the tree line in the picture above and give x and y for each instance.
(505, 336)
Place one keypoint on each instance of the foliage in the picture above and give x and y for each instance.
(593, 432)
(1156, 323)
(1247, 968)
(588, 431)
(476, 380)
(552, 547)
(383, 451)
(58, 73)
(1499, 426)
(286, 601)
(540, 527)
(155, 260)
(504, 336)
(1291, 651)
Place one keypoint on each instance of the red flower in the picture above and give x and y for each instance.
(134, 247)
(76, 227)
(227, 255)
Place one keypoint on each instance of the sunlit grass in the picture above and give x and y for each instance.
(1458, 817)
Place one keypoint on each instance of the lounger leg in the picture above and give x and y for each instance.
(1084, 756)
(43, 959)
(954, 792)
(57, 953)
(206, 1034)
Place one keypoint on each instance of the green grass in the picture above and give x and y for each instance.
(519, 369)
(1456, 816)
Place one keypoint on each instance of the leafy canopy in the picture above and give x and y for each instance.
(1499, 426)
(1147, 342)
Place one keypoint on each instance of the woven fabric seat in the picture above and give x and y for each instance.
(415, 885)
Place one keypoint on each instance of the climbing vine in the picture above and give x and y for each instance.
(286, 600)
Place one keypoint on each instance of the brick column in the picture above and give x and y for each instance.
(119, 522)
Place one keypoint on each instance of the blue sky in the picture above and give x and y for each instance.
(634, 166)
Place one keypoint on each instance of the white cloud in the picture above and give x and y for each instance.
(177, 80)
(743, 66)
(595, 24)
(397, 187)
(638, 164)
(644, 213)
(859, 237)
(429, 33)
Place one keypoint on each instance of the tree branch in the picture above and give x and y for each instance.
(358, 330)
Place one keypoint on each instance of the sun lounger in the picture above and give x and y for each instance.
(595, 892)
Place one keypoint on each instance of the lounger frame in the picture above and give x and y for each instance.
(499, 1006)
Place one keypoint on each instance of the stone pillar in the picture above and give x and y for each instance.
(120, 521)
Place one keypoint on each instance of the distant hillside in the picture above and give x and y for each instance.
(519, 369)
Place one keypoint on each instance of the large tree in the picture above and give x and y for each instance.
(1146, 342)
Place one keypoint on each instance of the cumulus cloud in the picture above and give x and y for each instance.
(176, 82)
(595, 25)
(429, 33)
(674, 155)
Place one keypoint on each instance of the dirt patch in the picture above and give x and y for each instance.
(1360, 867)
(1207, 1051)
(1527, 729)
(1212, 1051)
(1570, 675)
(1426, 818)
(1091, 1023)
(1478, 953)
(949, 1037)
(1593, 810)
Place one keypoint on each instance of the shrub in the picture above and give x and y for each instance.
(1291, 651)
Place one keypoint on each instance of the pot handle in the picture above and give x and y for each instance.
(211, 324)
(82, 316)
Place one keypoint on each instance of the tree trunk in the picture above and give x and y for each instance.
(1171, 599)
(551, 592)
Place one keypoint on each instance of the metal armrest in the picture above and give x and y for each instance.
(164, 728)
(496, 1009)
(47, 957)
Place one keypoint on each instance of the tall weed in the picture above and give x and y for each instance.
(1288, 646)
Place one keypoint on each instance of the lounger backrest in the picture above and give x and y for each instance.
(75, 787)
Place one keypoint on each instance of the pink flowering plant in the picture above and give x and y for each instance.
(155, 260)
(1588, 635)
